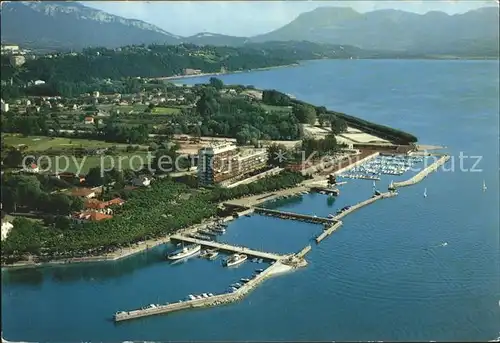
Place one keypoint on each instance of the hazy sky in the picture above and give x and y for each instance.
(248, 18)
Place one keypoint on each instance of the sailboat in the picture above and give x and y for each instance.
(425, 193)
(484, 186)
(391, 186)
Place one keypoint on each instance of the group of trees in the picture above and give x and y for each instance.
(22, 193)
(163, 208)
(286, 179)
(241, 118)
(151, 61)
(160, 209)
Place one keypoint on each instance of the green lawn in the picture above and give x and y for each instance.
(166, 110)
(43, 143)
(275, 108)
(72, 164)
(137, 108)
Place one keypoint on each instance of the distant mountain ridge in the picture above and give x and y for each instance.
(391, 29)
(71, 25)
(74, 26)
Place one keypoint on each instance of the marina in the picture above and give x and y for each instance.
(422, 174)
(185, 252)
(228, 248)
(292, 216)
(382, 165)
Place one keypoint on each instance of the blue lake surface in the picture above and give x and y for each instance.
(384, 275)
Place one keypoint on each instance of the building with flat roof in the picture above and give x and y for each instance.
(214, 162)
(222, 161)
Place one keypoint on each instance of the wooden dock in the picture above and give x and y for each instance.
(293, 216)
(228, 248)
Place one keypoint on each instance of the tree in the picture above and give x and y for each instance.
(13, 159)
(305, 114)
(77, 204)
(275, 98)
(60, 204)
(94, 177)
(216, 83)
(207, 104)
(337, 124)
(277, 155)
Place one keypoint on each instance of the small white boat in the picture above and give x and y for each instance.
(484, 186)
(425, 193)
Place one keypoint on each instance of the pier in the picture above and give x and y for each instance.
(216, 300)
(364, 203)
(328, 231)
(422, 174)
(293, 216)
(326, 190)
(228, 248)
(303, 252)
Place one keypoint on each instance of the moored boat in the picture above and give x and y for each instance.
(185, 252)
(235, 259)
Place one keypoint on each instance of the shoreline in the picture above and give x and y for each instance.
(180, 77)
(435, 58)
(153, 243)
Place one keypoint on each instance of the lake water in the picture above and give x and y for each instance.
(384, 275)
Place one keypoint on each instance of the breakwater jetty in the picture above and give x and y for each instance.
(422, 174)
(364, 203)
(228, 248)
(328, 231)
(214, 300)
(293, 216)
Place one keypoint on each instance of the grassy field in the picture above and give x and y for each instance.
(166, 110)
(43, 143)
(83, 165)
(139, 108)
(275, 108)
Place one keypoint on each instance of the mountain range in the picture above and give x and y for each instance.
(71, 25)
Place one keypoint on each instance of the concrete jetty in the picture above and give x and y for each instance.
(303, 252)
(328, 231)
(364, 203)
(215, 300)
(228, 248)
(329, 191)
(422, 174)
(293, 216)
